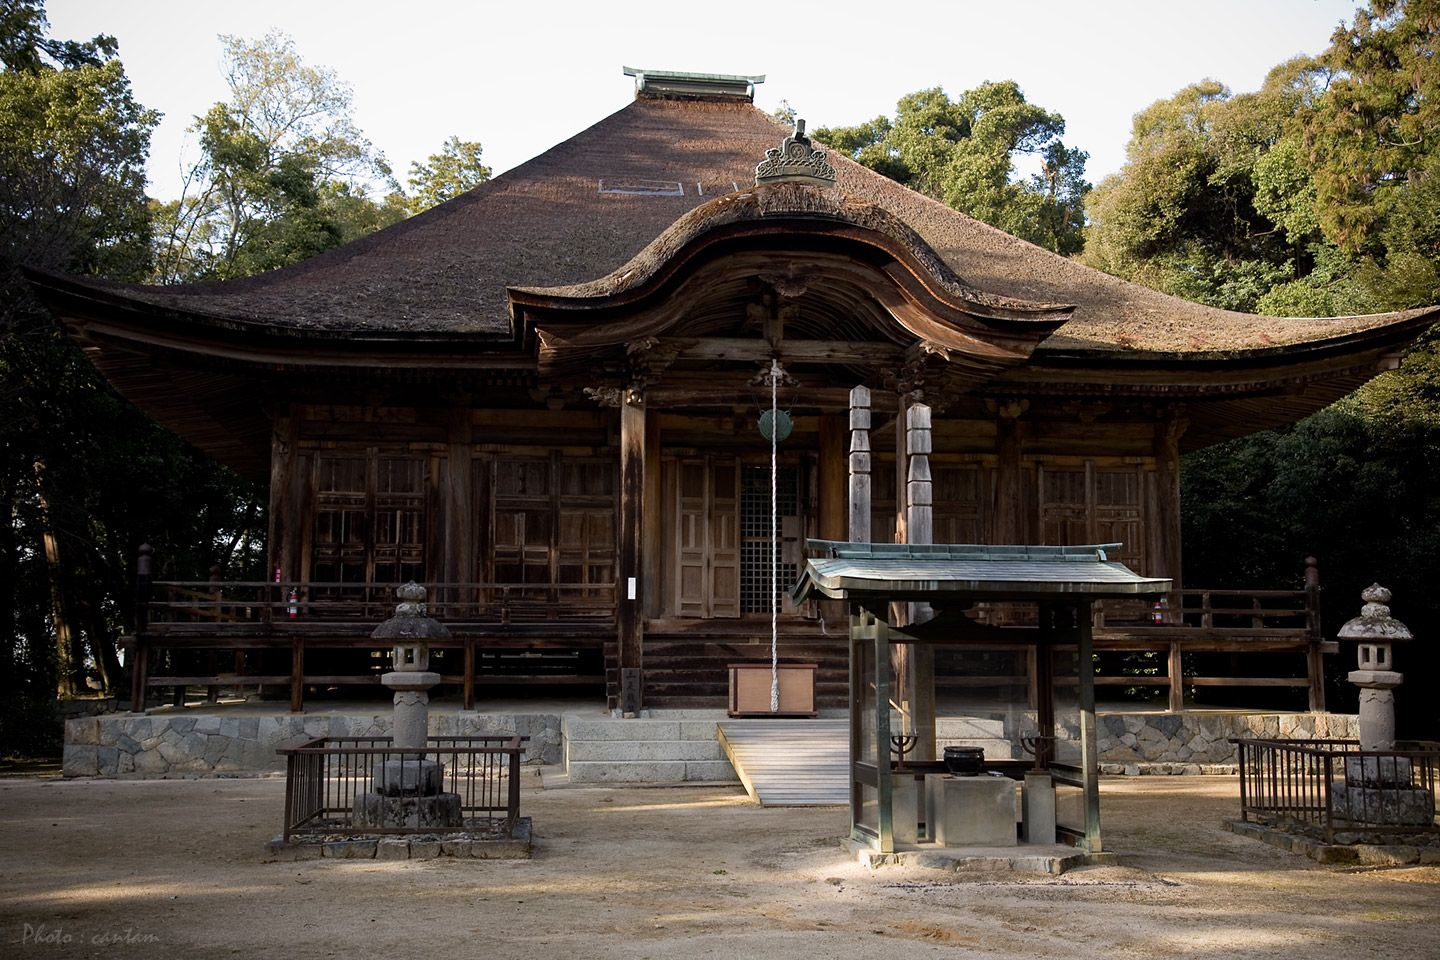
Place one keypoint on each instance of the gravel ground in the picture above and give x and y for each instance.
(174, 869)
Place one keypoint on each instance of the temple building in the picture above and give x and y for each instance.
(541, 400)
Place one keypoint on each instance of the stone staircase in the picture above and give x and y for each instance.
(684, 746)
(974, 732)
(672, 746)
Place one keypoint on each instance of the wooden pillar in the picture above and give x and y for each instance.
(212, 661)
(140, 669)
(629, 604)
(832, 477)
(1167, 503)
(1009, 491)
(1089, 745)
(902, 474)
(1314, 659)
(859, 528)
(468, 681)
(286, 497)
(920, 529)
(1175, 669)
(457, 533)
(297, 675)
(652, 554)
(885, 816)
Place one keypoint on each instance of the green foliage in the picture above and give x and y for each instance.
(963, 152)
(449, 173)
(281, 174)
(1378, 127)
(86, 476)
(1352, 485)
(1215, 202)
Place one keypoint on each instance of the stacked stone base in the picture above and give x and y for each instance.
(471, 845)
(438, 812)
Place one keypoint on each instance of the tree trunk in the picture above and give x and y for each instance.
(69, 659)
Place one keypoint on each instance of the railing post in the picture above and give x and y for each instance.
(139, 673)
(469, 681)
(1175, 665)
(512, 804)
(1314, 659)
(1240, 749)
(212, 692)
(297, 675)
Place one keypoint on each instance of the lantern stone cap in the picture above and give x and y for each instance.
(1375, 625)
(411, 621)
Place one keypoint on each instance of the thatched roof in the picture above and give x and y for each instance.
(583, 209)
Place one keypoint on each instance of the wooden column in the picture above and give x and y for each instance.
(832, 482)
(140, 669)
(629, 603)
(1089, 744)
(287, 497)
(832, 477)
(902, 474)
(859, 528)
(1009, 491)
(457, 533)
(920, 528)
(1314, 659)
(1167, 502)
(652, 554)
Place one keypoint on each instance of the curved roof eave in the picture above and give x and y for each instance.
(774, 208)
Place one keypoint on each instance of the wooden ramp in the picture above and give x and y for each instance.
(791, 763)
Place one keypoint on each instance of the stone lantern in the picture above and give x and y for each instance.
(1378, 790)
(408, 789)
(411, 678)
(1375, 630)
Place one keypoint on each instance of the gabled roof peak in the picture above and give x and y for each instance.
(675, 85)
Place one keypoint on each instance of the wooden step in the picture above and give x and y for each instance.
(790, 763)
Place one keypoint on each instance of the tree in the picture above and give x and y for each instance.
(1214, 202)
(1377, 131)
(281, 168)
(449, 173)
(85, 475)
(963, 153)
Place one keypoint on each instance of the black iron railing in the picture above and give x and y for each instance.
(327, 776)
(1330, 788)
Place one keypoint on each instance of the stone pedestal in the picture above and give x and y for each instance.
(412, 706)
(1037, 808)
(971, 811)
(400, 778)
(439, 812)
(905, 808)
(1377, 707)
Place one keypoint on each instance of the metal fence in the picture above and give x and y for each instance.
(325, 779)
(1332, 788)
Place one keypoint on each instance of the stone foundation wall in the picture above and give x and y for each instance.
(208, 745)
(1203, 738)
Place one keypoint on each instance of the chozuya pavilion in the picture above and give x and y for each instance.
(540, 400)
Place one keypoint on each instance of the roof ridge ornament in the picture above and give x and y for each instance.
(796, 160)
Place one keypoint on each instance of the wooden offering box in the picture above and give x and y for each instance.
(750, 690)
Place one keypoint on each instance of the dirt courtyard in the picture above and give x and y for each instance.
(174, 869)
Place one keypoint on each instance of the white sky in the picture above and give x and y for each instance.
(520, 75)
